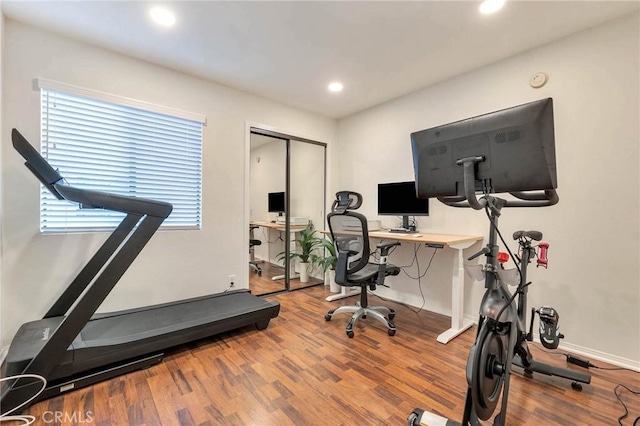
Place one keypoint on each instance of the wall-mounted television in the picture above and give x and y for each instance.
(276, 202)
(400, 199)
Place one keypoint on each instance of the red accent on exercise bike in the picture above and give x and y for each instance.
(542, 256)
(503, 257)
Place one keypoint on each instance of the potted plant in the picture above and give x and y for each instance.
(305, 244)
(328, 261)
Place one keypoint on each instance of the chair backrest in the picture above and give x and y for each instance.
(350, 234)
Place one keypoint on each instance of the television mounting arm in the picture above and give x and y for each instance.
(524, 199)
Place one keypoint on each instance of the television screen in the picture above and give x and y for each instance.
(276, 202)
(516, 146)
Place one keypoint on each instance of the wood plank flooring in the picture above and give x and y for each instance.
(302, 370)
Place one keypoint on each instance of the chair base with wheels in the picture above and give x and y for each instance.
(363, 310)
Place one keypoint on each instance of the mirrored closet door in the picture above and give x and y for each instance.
(267, 188)
(287, 199)
(306, 203)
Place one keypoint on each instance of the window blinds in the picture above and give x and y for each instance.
(111, 147)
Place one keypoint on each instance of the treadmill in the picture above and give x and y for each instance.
(71, 346)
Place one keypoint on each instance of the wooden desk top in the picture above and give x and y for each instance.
(424, 237)
(278, 226)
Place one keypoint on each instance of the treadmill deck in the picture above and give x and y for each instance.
(119, 336)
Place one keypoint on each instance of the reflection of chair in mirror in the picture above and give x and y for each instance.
(351, 236)
(253, 263)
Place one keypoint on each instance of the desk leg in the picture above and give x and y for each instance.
(458, 323)
(292, 272)
(344, 292)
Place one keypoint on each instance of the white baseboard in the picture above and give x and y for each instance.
(593, 354)
(602, 356)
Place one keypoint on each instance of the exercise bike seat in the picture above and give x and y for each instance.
(534, 235)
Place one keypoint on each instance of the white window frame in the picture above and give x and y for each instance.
(86, 135)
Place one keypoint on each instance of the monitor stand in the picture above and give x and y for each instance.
(405, 229)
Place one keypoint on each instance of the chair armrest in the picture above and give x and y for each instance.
(384, 247)
(382, 264)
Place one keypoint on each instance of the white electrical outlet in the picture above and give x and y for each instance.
(232, 280)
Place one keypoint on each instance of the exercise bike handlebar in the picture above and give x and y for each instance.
(544, 198)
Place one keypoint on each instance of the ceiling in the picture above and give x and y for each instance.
(290, 51)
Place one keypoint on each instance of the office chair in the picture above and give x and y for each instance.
(253, 263)
(351, 237)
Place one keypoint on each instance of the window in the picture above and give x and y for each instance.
(106, 143)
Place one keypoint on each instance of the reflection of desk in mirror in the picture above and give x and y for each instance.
(281, 228)
(455, 242)
(278, 226)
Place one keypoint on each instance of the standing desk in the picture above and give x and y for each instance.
(455, 242)
(281, 227)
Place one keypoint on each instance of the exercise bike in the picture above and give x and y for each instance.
(502, 337)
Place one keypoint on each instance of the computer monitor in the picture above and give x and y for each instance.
(399, 199)
(517, 146)
(276, 202)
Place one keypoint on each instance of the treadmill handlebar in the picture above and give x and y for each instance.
(86, 198)
(104, 200)
(46, 174)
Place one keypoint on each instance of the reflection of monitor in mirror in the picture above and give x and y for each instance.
(276, 202)
(516, 144)
(399, 199)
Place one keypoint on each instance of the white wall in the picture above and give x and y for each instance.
(175, 264)
(1, 180)
(593, 275)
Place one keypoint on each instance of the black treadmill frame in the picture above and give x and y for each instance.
(96, 280)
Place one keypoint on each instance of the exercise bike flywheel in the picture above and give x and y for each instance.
(487, 360)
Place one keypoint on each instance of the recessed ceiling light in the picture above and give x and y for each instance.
(162, 16)
(490, 6)
(335, 87)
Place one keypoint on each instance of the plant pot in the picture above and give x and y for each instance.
(304, 272)
(331, 280)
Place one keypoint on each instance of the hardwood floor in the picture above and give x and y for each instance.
(302, 370)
